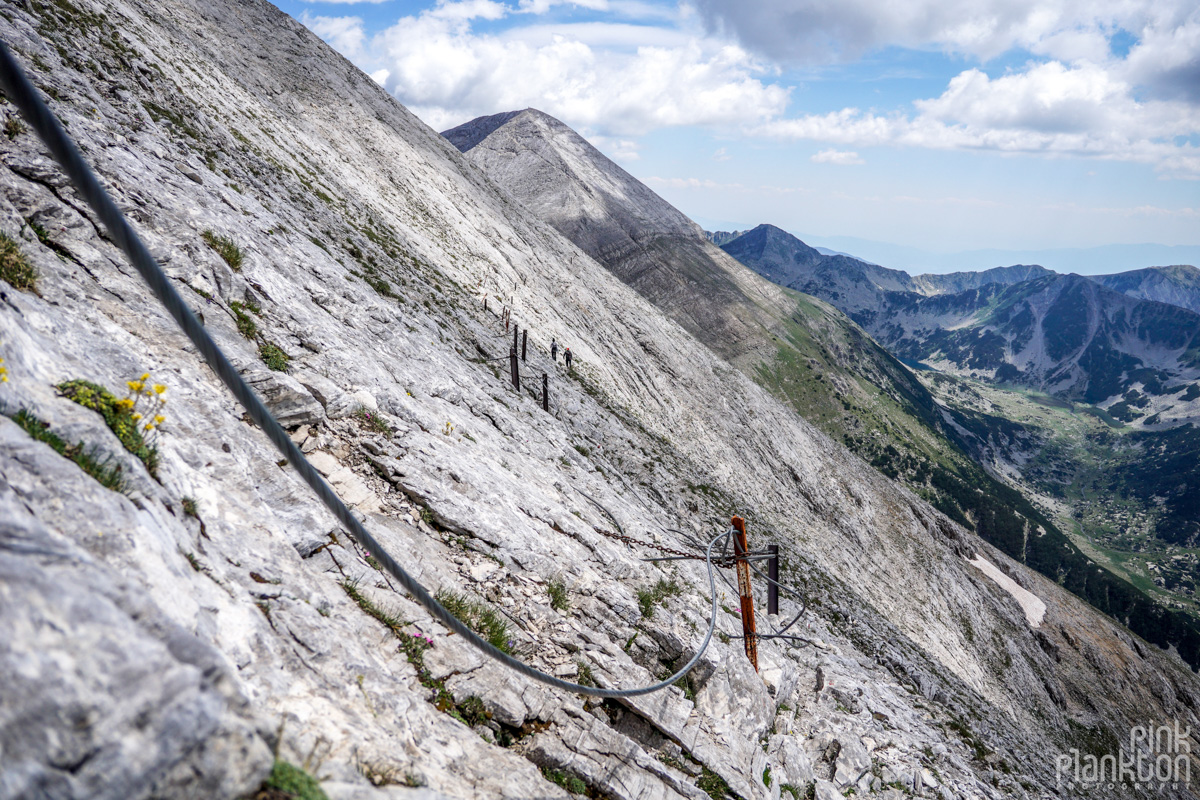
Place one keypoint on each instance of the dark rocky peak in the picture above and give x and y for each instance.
(469, 134)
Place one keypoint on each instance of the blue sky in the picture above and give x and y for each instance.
(1006, 124)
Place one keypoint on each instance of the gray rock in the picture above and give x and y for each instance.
(104, 696)
(827, 791)
(289, 401)
(852, 763)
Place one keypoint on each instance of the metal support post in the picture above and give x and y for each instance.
(524, 343)
(773, 574)
(740, 548)
(545, 392)
(513, 365)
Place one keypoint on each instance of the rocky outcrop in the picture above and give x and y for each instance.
(367, 243)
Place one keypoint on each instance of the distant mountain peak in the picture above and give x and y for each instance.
(469, 134)
(567, 181)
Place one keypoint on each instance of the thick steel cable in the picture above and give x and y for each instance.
(21, 92)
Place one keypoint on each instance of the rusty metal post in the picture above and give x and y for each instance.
(545, 392)
(524, 343)
(485, 304)
(506, 320)
(516, 339)
(773, 574)
(515, 368)
(740, 548)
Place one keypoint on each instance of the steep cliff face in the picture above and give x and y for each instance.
(168, 636)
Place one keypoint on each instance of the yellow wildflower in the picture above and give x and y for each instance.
(135, 386)
(145, 377)
(136, 417)
(126, 404)
(149, 426)
(159, 388)
(159, 419)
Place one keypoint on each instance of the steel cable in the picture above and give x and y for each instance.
(22, 93)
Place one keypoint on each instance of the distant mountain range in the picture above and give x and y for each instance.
(1129, 342)
(1083, 260)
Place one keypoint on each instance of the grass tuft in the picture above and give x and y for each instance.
(245, 323)
(15, 269)
(119, 418)
(479, 617)
(109, 477)
(372, 421)
(656, 595)
(712, 784)
(294, 782)
(226, 248)
(558, 595)
(572, 783)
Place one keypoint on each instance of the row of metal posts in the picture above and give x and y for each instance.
(740, 544)
(514, 367)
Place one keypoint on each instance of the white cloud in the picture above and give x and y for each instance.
(815, 30)
(841, 158)
(344, 34)
(617, 149)
(692, 183)
(620, 80)
(721, 155)
(1049, 109)
(447, 73)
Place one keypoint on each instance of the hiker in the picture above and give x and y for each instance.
(567, 357)
(554, 351)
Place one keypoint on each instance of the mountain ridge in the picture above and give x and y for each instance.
(917, 442)
(1009, 324)
(212, 619)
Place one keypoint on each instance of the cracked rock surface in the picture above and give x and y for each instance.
(166, 639)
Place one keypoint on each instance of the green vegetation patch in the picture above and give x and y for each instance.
(87, 458)
(119, 415)
(656, 595)
(15, 269)
(293, 781)
(569, 781)
(559, 599)
(470, 711)
(479, 617)
(273, 356)
(245, 323)
(372, 421)
(226, 248)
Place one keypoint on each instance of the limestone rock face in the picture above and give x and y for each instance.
(165, 638)
(105, 696)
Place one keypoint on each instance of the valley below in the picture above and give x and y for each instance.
(1123, 495)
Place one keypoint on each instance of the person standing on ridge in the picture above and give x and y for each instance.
(567, 357)
(554, 350)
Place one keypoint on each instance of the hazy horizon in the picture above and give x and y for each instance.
(1098, 260)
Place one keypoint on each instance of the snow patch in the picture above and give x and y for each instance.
(1031, 604)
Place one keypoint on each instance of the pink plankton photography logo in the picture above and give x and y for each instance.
(1157, 757)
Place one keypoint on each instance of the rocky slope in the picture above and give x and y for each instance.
(164, 640)
(884, 415)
